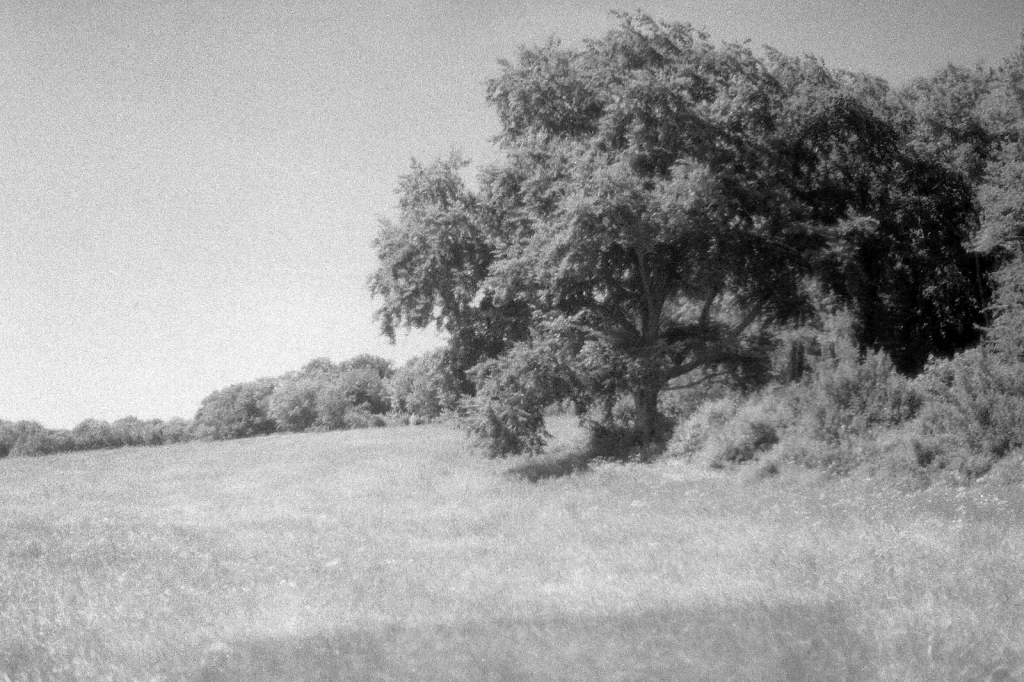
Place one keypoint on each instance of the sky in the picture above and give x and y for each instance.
(189, 190)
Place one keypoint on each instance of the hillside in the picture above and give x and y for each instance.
(396, 554)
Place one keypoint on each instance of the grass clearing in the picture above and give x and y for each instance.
(395, 554)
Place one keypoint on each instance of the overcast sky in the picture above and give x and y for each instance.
(189, 190)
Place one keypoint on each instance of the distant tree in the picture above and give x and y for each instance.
(293, 404)
(425, 387)
(94, 434)
(237, 411)
(177, 430)
(319, 367)
(31, 439)
(8, 437)
(382, 367)
(334, 401)
(365, 388)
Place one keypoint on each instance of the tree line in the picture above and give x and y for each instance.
(364, 391)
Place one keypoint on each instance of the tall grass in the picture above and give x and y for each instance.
(393, 554)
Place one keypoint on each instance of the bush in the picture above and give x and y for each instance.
(756, 437)
(753, 429)
(506, 416)
(975, 405)
(851, 396)
(826, 420)
(690, 437)
(359, 417)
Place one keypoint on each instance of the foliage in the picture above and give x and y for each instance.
(333, 403)
(425, 387)
(359, 417)
(433, 261)
(1000, 193)
(238, 411)
(667, 200)
(323, 395)
(506, 415)
(949, 122)
(1005, 335)
(757, 437)
(693, 433)
(293, 404)
(829, 419)
(8, 437)
(848, 394)
(365, 388)
(977, 400)
(27, 438)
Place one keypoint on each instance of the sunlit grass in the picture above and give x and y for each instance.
(396, 554)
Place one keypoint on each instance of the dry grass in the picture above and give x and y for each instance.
(394, 554)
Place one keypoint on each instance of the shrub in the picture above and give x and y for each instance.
(824, 420)
(854, 396)
(690, 437)
(755, 437)
(975, 404)
(753, 429)
(359, 417)
(506, 416)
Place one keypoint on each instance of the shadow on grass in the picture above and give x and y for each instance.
(750, 642)
(551, 466)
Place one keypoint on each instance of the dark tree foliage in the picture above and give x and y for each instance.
(906, 212)
(661, 205)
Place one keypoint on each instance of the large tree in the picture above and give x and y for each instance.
(660, 204)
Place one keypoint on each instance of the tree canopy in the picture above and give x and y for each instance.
(662, 204)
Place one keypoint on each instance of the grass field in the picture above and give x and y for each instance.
(395, 554)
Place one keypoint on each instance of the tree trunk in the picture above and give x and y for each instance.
(646, 406)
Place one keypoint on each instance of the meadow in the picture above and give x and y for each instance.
(397, 553)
